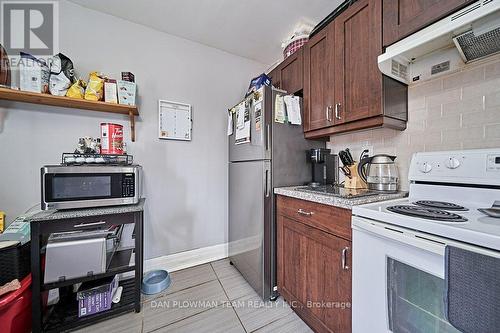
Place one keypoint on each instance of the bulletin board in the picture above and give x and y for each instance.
(174, 120)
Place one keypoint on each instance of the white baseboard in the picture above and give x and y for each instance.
(181, 260)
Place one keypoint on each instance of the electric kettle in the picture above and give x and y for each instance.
(379, 172)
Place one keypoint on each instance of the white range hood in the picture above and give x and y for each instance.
(446, 46)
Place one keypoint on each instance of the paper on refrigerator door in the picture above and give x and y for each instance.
(279, 110)
(243, 118)
(292, 104)
(240, 115)
(229, 123)
(258, 116)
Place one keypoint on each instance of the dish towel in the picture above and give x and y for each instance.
(472, 297)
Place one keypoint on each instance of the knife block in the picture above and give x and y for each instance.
(355, 181)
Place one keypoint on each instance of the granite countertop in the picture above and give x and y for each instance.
(335, 200)
(85, 212)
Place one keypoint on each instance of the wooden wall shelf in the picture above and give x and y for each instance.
(67, 102)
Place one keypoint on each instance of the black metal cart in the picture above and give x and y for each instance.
(64, 315)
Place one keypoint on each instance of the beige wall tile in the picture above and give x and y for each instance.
(443, 123)
(464, 78)
(492, 70)
(490, 116)
(425, 89)
(453, 136)
(447, 96)
(493, 99)
(471, 105)
(475, 144)
(481, 89)
(492, 131)
(416, 103)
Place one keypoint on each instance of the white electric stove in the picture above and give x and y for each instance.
(398, 245)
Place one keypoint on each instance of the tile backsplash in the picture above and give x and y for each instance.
(458, 111)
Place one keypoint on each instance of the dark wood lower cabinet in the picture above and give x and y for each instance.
(314, 265)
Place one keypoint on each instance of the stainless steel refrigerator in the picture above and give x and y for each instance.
(274, 157)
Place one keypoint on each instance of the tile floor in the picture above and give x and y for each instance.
(211, 298)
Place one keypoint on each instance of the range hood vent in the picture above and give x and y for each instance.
(446, 46)
(481, 41)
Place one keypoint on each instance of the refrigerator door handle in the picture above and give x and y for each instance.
(268, 130)
(268, 184)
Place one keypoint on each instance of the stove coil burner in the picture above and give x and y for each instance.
(427, 213)
(440, 205)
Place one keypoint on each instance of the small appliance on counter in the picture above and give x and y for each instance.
(324, 167)
(379, 172)
(76, 254)
(83, 186)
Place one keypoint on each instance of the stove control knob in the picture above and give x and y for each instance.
(425, 167)
(452, 163)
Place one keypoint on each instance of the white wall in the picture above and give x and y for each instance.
(457, 111)
(185, 182)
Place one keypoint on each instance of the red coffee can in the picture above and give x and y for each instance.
(111, 139)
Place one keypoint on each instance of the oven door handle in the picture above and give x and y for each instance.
(398, 234)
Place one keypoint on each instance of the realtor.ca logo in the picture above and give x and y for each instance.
(30, 27)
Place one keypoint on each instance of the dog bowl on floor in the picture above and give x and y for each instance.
(155, 281)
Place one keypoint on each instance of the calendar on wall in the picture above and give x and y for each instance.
(174, 121)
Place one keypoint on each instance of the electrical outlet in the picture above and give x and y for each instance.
(369, 148)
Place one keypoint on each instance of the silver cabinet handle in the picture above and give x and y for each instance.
(303, 212)
(328, 112)
(344, 258)
(337, 111)
(84, 225)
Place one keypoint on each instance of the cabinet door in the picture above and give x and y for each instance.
(291, 73)
(275, 76)
(314, 275)
(403, 17)
(358, 81)
(318, 80)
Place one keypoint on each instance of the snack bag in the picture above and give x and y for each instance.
(77, 89)
(33, 74)
(95, 87)
(61, 74)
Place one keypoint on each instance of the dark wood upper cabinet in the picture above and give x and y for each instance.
(288, 75)
(319, 62)
(275, 77)
(358, 81)
(292, 73)
(314, 266)
(403, 17)
(343, 88)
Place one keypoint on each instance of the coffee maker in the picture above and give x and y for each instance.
(324, 166)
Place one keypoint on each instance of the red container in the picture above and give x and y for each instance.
(15, 309)
(111, 139)
(294, 46)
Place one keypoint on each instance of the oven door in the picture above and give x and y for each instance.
(398, 280)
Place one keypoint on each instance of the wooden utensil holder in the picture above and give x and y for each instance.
(355, 181)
